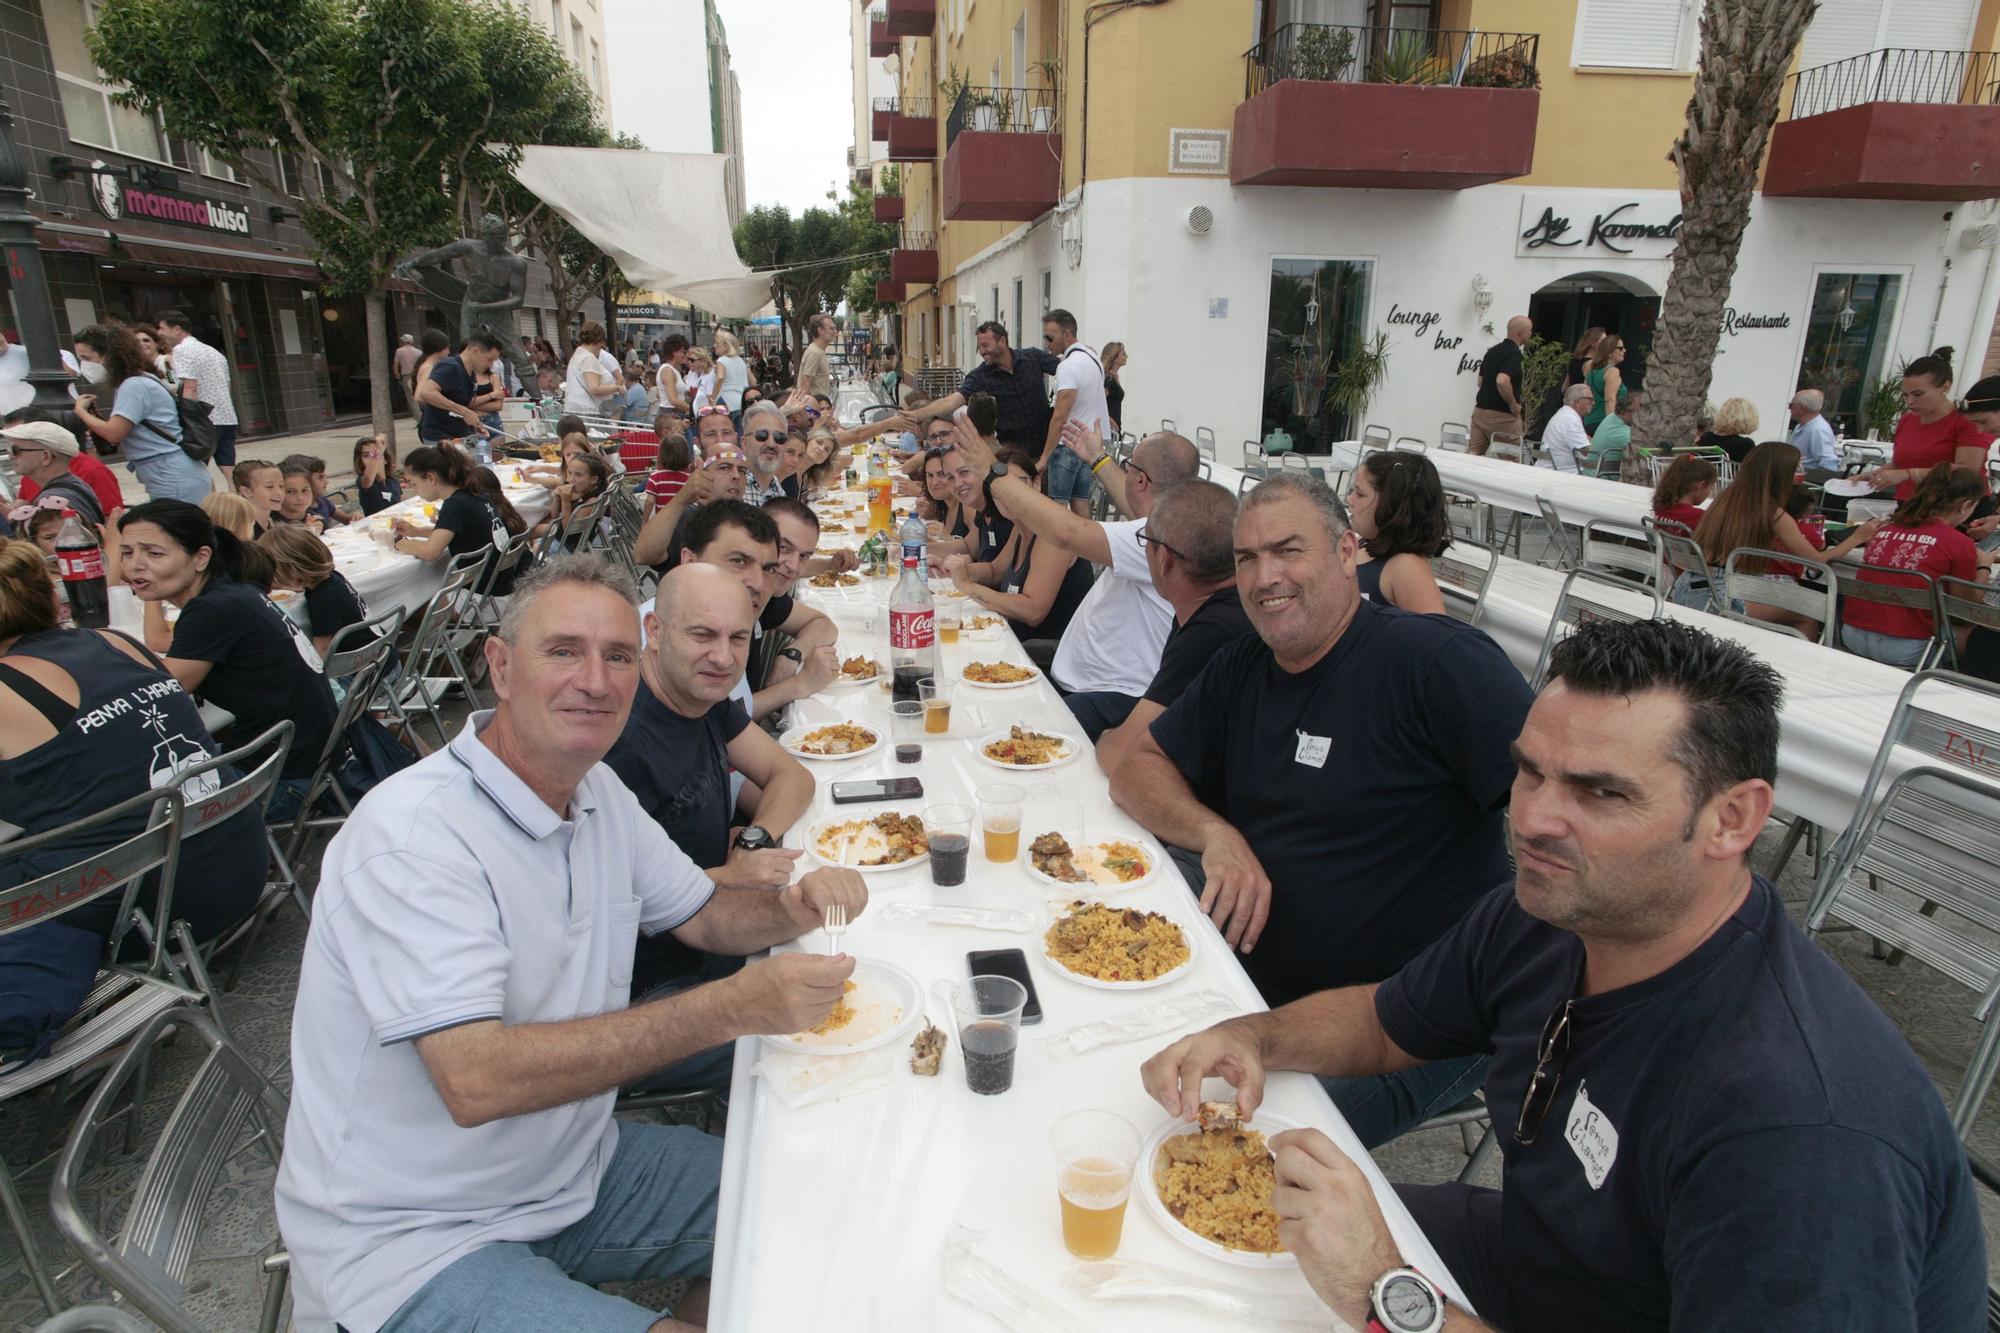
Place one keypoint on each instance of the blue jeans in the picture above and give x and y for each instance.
(1098, 711)
(1890, 648)
(654, 1219)
(1068, 477)
(225, 447)
(1384, 1106)
(1690, 593)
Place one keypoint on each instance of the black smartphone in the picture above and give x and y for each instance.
(1007, 963)
(877, 789)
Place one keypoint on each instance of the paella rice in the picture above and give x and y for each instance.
(1116, 943)
(1217, 1183)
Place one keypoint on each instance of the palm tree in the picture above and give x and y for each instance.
(1746, 48)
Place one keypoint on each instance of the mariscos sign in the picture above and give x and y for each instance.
(1569, 226)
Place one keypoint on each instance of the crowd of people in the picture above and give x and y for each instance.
(1439, 880)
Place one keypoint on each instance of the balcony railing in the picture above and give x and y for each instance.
(916, 107)
(1368, 53)
(1898, 74)
(915, 240)
(1002, 110)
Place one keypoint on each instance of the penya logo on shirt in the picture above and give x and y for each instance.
(300, 640)
(173, 750)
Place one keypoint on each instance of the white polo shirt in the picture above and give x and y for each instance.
(1120, 628)
(454, 894)
(209, 369)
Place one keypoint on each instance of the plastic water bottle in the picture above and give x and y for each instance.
(915, 537)
(81, 561)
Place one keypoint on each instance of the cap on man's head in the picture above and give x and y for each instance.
(42, 435)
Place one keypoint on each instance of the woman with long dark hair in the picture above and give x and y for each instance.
(1040, 588)
(1932, 432)
(375, 479)
(463, 522)
(1604, 378)
(231, 645)
(143, 421)
(1397, 508)
(1751, 514)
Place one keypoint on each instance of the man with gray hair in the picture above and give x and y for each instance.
(1111, 649)
(462, 1024)
(765, 433)
(1565, 437)
(1819, 454)
(1341, 776)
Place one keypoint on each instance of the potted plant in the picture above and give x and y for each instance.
(1321, 52)
(1544, 362)
(1356, 376)
(951, 87)
(1042, 115)
(983, 112)
(1408, 60)
(1882, 406)
(1502, 69)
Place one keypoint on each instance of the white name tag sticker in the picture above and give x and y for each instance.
(1313, 750)
(1592, 1137)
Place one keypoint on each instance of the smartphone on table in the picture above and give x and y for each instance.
(1010, 963)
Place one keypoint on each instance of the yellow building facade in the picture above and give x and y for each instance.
(1422, 169)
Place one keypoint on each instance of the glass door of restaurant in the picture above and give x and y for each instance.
(1316, 314)
(1848, 337)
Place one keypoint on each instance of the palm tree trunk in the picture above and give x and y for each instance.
(1746, 48)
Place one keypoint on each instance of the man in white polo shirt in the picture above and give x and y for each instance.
(462, 1024)
(203, 374)
(1111, 650)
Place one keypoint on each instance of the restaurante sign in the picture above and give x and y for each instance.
(1560, 226)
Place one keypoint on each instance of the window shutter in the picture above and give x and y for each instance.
(1840, 30)
(1633, 34)
(1931, 25)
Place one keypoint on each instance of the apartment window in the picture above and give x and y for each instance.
(1635, 34)
(556, 19)
(576, 41)
(1017, 324)
(596, 78)
(212, 165)
(290, 177)
(1842, 29)
(93, 118)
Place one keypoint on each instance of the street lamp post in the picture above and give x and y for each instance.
(23, 254)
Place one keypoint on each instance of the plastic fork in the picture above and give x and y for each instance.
(835, 926)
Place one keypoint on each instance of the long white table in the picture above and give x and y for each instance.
(834, 1216)
(1577, 498)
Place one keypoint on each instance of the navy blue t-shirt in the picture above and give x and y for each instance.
(678, 767)
(1777, 1157)
(455, 383)
(1380, 847)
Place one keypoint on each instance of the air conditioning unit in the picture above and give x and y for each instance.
(1199, 220)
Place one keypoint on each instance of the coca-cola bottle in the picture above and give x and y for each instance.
(912, 624)
(81, 560)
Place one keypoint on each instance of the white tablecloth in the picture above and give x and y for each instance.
(833, 1216)
(1578, 498)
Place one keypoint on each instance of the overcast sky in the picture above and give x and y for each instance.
(791, 60)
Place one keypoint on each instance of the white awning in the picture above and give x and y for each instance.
(662, 217)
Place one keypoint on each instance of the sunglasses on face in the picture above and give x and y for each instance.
(763, 435)
(716, 410)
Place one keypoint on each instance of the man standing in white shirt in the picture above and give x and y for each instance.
(463, 1020)
(1079, 398)
(1564, 437)
(1111, 650)
(815, 371)
(203, 373)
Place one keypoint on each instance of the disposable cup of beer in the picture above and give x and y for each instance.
(1000, 806)
(935, 696)
(947, 629)
(1095, 1153)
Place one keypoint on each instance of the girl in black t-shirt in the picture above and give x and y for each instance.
(463, 522)
(375, 473)
(231, 645)
(305, 567)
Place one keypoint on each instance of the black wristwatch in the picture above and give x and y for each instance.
(755, 839)
(999, 469)
(797, 658)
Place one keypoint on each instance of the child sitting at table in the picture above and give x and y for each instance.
(330, 514)
(260, 482)
(375, 474)
(304, 564)
(588, 475)
(1683, 489)
(231, 513)
(554, 476)
(297, 504)
(672, 467)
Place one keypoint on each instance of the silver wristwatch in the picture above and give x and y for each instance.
(1405, 1301)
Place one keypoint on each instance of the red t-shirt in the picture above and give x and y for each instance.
(94, 475)
(1813, 528)
(664, 484)
(1921, 446)
(1687, 515)
(1930, 548)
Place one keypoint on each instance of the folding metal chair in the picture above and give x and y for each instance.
(1466, 513)
(1503, 523)
(228, 1110)
(124, 996)
(1204, 441)
(1906, 588)
(1463, 573)
(1684, 555)
(1454, 436)
(1412, 443)
(361, 666)
(94, 1319)
(1566, 555)
(1167, 425)
(1619, 548)
(1964, 604)
(1474, 1124)
(1932, 834)
(569, 534)
(1590, 596)
(1816, 600)
(430, 646)
(260, 764)
(1381, 435)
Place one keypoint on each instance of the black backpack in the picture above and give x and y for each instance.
(197, 431)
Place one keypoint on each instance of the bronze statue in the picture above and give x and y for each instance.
(495, 286)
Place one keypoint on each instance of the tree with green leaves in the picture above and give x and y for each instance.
(859, 206)
(410, 108)
(810, 249)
